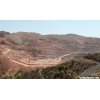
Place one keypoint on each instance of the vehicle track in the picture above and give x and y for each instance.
(5, 53)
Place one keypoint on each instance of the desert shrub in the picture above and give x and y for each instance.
(95, 57)
(56, 72)
(80, 65)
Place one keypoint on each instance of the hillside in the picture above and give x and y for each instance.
(68, 70)
(52, 45)
(28, 50)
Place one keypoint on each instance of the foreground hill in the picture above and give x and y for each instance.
(68, 70)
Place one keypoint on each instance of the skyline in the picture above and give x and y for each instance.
(88, 28)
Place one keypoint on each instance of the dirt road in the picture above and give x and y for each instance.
(6, 51)
(64, 56)
(20, 63)
(37, 63)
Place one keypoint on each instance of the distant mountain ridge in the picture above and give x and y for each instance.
(54, 45)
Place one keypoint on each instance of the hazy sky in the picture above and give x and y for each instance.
(81, 27)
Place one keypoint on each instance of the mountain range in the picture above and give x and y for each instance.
(24, 45)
